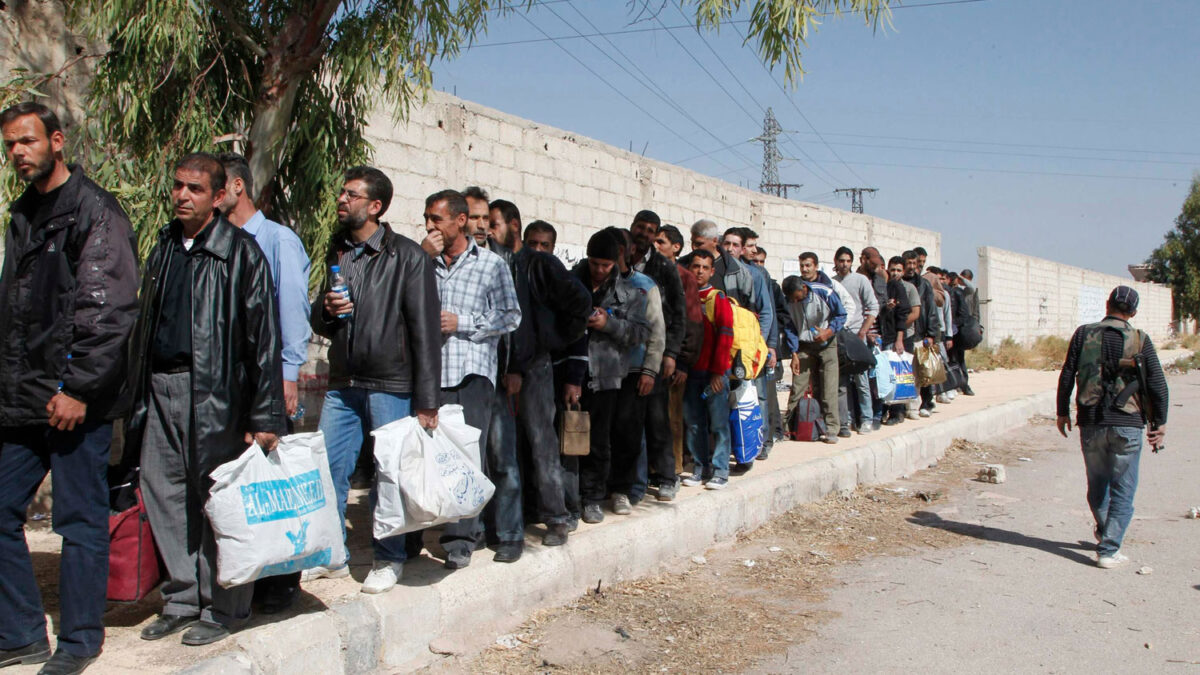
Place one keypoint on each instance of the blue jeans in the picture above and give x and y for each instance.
(1111, 457)
(707, 424)
(79, 460)
(346, 417)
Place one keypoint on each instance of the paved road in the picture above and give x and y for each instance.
(1023, 594)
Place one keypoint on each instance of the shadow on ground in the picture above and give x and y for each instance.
(1068, 550)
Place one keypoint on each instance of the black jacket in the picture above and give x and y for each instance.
(69, 286)
(237, 362)
(665, 275)
(393, 341)
(555, 306)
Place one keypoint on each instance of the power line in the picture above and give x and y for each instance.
(629, 31)
(1014, 145)
(1016, 154)
(811, 169)
(856, 195)
(651, 85)
(619, 92)
(1026, 173)
(803, 116)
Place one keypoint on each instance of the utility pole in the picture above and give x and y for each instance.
(770, 173)
(856, 193)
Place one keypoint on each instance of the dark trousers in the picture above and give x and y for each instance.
(543, 478)
(774, 417)
(958, 355)
(595, 466)
(474, 394)
(79, 460)
(502, 517)
(626, 437)
(660, 441)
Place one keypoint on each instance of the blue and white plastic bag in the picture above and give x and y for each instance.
(275, 514)
(746, 424)
(906, 381)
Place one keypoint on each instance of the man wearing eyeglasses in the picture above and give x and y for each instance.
(385, 359)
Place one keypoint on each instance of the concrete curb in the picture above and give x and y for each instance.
(363, 632)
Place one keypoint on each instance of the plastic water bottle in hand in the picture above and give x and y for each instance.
(340, 286)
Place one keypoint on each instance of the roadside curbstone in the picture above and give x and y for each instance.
(395, 630)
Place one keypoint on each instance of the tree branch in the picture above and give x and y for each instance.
(239, 31)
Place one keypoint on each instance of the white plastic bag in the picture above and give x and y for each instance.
(425, 478)
(275, 514)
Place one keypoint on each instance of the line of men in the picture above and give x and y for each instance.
(202, 359)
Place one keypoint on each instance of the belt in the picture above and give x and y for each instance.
(171, 370)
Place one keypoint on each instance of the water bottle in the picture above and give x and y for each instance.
(62, 384)
(299, 414)
(340, 286)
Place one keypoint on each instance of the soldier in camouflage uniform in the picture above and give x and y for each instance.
(1114, 403)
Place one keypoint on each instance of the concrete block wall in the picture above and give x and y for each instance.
(581, 185)
(1025, 298)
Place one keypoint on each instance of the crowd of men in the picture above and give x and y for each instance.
(204, 359)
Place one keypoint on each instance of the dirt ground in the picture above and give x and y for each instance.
(727, 610)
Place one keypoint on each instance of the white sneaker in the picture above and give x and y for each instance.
(314, 573)
(384, 574)
(693, 480)
(1107, 562)
(923, 412)
(941, 398)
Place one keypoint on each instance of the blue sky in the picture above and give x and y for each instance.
(1059, 128)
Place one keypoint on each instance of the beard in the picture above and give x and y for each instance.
(41, 170)
(352, 220)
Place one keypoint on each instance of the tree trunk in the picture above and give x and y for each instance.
(272, 119)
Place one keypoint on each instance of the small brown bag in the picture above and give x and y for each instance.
(575, 432)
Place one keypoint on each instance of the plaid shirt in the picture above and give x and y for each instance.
(477, 287)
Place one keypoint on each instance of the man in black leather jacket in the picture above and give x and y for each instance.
(68, 298)
(385, 351)
(207, 379)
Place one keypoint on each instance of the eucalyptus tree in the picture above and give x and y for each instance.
(291, 83)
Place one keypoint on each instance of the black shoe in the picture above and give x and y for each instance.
(63, 663)
(967, 391)
(278, 597)
(34, 652)
(573, 524)
(557, 536)
(205, 633)
(167, 625)
(362, 479)
(509, 551)
(456, 560)
(892, 421)
(764, 453)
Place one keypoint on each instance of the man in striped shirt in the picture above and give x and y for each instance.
(479, 305)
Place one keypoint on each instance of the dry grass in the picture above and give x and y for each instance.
(728, 610)
(1046, 353)
(1189, 342)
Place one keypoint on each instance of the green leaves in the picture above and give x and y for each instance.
(1176, 262)
(291, 83)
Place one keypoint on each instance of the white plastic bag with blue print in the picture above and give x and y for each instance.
(428, 478)
(275, 514)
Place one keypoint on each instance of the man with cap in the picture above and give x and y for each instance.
(1113, 404)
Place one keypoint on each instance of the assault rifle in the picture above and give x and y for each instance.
(1143, 393)
(1141, 388)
